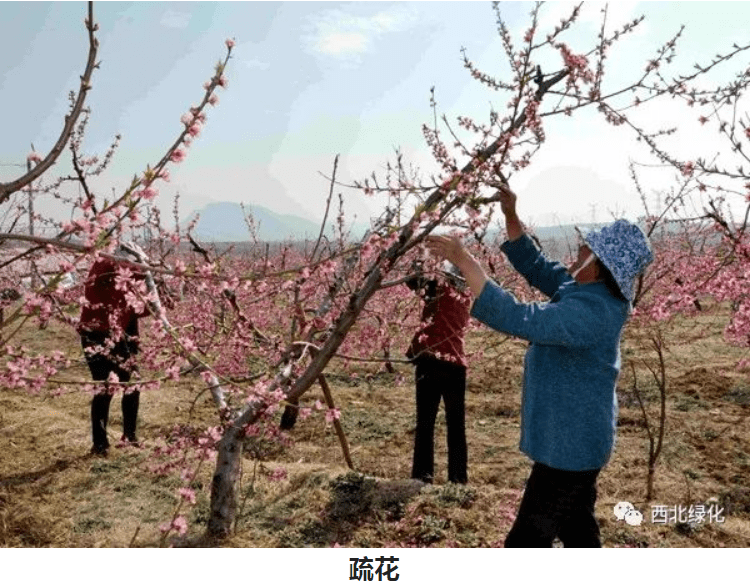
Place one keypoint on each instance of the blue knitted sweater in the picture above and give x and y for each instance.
(569, 405)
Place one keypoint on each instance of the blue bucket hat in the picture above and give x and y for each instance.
(624, 250)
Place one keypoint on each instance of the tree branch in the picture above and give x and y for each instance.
(7, 189)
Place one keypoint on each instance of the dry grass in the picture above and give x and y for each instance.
(52, 494)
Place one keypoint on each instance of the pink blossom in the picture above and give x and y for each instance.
(278, 474)
(229, 43)
(179, 524)
(703, 119)
(213, 99)
(178, 155)
(34, 157)
(222, 81)
(179, 267)
(188, 495)
(533, 121)
(198, 115)
(172, 373)
(578, 65)
(195, 129)
(148, 193)
(332, 415)
(688, 168)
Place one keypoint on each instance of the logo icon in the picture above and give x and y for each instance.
(625, 511)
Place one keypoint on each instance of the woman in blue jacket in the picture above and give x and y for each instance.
(569, 405)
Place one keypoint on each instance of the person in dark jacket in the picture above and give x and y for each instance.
(108, 327)
(569, 404)
(437, 351)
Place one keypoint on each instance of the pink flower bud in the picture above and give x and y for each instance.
(229, 43)
(178, 155)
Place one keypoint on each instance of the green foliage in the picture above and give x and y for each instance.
(432, 529)
(455, 495)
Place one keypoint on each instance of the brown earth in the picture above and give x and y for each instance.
(53, 494)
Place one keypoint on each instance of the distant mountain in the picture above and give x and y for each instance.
(563, 233)
(225, 222)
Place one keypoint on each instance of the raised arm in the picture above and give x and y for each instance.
(513, 226)
(526, 259)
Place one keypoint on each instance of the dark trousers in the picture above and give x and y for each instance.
(556, 503)
(117, 360)
(437, 379)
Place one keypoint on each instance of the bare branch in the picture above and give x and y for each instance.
(7, 189)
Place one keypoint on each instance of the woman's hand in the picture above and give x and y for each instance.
(507, 200)
(449, 247)
(513, 226)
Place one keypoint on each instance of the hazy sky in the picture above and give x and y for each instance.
(312, 79)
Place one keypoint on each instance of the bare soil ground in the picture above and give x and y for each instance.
(53, 494)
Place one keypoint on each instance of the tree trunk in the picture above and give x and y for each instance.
(224, 485)
(650, 481)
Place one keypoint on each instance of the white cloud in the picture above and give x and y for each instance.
(341, 43)
(172, 19)
(256, 64)
(341, 35)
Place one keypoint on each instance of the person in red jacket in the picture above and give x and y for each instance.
(108, 328)
(437, 351)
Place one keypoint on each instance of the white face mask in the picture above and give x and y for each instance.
(586, 262)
